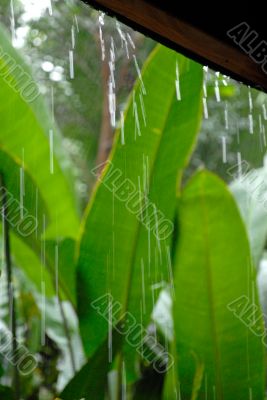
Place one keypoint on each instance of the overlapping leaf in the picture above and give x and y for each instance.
(218, 324)
(118, 254)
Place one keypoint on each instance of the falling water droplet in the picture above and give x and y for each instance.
(226, 118)
(22, 186)
(123, 38)
(205, 108)
(36, 212)
(122, 129)
(124, 383)
(112, 103)
(131, 41)
(139, 74)
(12, 22)
(51, 148)
(56, 268)
(76, 23)
(224, 149)
(264, 112)
(239, 164)
(71, 59)
(250, 103)
(217, 91)
(142, 107)
(251, 124)
(110, 331)
(263, 135)
(52, 104)
(43, 319)
(137, 123)
(143, 285)
(177, 82)
(73, 37)
(101, 22)
(205, 88)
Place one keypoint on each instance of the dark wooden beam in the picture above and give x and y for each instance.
(201, 35)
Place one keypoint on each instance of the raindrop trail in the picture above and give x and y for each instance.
(124, 385)
(142, 107)
(112, 85)
(131, 41)
(76, 23)
(250, 103)
(101, 23)
(110, 332)
(52, 104)
(139, 74)
(263, 135)
(217, 91)
(137, 123)
(123, 39)
(239, 163)
(224, 158)
(205, 88)
(122, 129)
(143, 285)
(73, 37)
(226, 118)
(251, 124)
(51, 146)
(43, 321)
(12, 22)
(112, 104)
(71, 59)
(205, 108)
(22, 186)
(56, 269)
(36, 212)
(177, 83)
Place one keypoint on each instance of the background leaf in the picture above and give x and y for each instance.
(27, 142)
(212, 269)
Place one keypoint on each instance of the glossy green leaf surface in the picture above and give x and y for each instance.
(216, 314)
(125, 248)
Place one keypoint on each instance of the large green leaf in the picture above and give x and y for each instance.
(25, 169)
(116, 249)
(24, 137)
(215, 292)
(27, 248)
